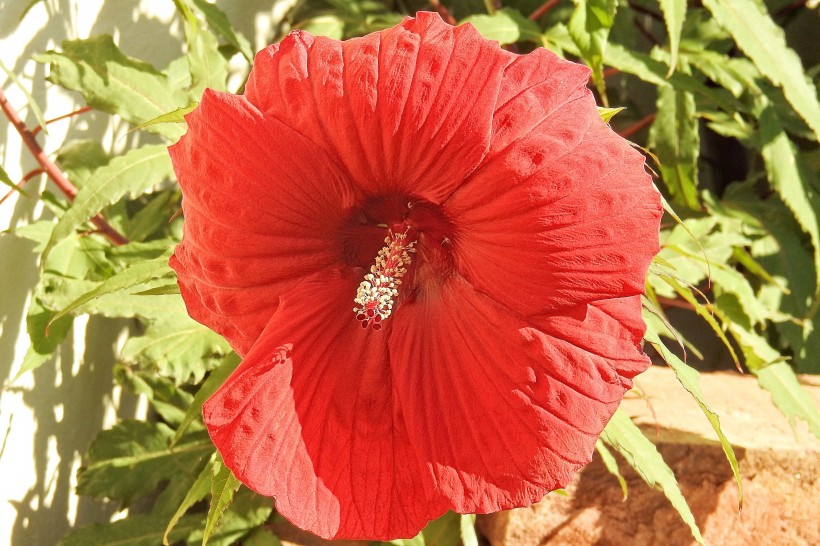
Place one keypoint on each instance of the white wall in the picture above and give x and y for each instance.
(49, 417)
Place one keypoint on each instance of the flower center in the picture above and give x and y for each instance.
(377, 292)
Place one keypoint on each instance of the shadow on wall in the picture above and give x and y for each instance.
(69, 408)
(51, 415)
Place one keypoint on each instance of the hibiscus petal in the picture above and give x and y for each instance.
(407, 110)
(561, 211)
(310, 418)
(505, 411)
(236, 259)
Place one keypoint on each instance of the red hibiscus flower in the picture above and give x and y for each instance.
(430, 253)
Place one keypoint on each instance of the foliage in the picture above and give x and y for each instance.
(719, 101)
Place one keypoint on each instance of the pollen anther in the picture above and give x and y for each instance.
(376, 294)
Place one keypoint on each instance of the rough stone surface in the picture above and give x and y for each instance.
(779, 466)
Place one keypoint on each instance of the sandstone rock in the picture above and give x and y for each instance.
(779, 466)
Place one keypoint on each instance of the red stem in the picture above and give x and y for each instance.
(26, 178)
(668, 302)
(543, 9)
(82, 110)
(637, 126)
(53, 172)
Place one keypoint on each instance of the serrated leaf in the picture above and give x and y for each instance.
(788, 395)
(131, 459)
(506, 26)
(642, 455)
(130, 174)
(246, 513)
(207, 65)
(176, 116)
(674, 13)
(169, 401)
(177, 346)
(589, 28)
(223, 488)
(655, 72)
(214, 381)
(759, 37)
(675, 140)
(689, 378)
(135, 530)
(611, 465)
(113, 82)
(135, 275)
(198, 491)
(792, 181)
(219, 22)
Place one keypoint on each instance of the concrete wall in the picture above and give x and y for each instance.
(49, 417)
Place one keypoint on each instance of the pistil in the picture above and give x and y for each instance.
(378, 291)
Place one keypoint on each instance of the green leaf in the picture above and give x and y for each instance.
(589, 28)
(165, 398)
(468, 534)
(611, 465)
(674, 139)
(219, 22)
(164, 290)
(198, 491)
(793, 182)
(135, 530)
(207, 65)
(626, 438)
(78, 159)
(4, 178)
(42, 346)
(223, 488)
(115, 83)
(324, 25)
(246, 513)
(176, 345)
(757, 35)
(214, 381)
(444, 531)
(261, 537)
(654, 71)
(608, 113)
(506, 26)
(788, 395)
(674, 13)
(689, 378)
(131, 459)
(136, 274)
(129, 174)
(35, 108)
(177, 116)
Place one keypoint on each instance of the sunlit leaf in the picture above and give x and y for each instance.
(789, 396)
(114, 83)
(764, 42)
(642, 455)
(506, 26)
(130, 174)
(223, 488)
